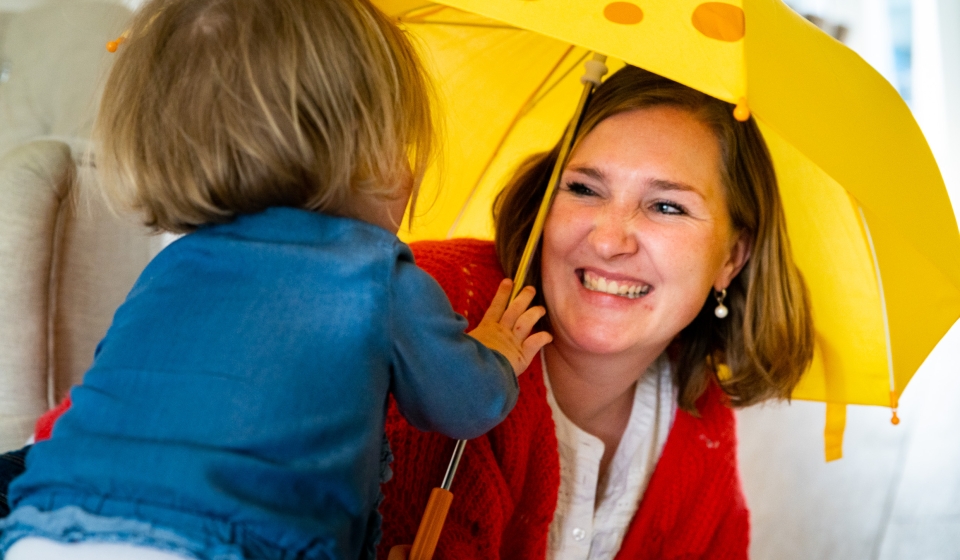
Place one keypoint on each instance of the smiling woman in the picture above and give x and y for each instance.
(640, 191)
(671, 295)
(663, 181)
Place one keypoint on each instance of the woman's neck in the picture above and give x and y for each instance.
(596, 391)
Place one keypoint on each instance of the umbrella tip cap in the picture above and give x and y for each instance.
(895, 420)
(742, 111)
(112, 46)
(594, 70)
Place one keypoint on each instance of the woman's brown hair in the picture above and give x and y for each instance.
(216, 108)
(767, 338)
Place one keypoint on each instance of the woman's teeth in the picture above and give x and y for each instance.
(596, 283)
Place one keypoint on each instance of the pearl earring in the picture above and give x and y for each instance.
(721, 311)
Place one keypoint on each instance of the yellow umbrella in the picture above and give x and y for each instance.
(868, 214)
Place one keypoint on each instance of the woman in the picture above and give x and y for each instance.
(671, 295)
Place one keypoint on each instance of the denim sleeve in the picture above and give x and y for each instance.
(443, 380)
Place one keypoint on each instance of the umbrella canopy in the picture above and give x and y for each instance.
(869, 217)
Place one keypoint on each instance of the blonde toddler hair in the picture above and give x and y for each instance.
(216, 108)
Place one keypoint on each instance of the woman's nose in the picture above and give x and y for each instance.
(614, 233)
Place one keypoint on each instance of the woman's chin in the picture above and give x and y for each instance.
(600, 339)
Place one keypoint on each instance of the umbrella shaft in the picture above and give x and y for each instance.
(454, 463)
(534, 239)
(520, 278)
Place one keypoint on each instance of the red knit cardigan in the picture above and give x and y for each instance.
(505, 492)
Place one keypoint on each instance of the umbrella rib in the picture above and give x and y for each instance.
(462, 24)
(503, 140)
(883, 299)
(436, 9)
(420, 19)
(530, 106)
(433, 9)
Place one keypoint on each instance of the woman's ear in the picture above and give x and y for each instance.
(739, 255)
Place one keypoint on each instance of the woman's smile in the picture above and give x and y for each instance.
(613, 284)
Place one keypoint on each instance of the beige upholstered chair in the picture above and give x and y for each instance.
(66, 263)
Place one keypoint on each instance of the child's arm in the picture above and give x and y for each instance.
(444, 380)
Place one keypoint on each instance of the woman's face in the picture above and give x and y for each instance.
(639, 233)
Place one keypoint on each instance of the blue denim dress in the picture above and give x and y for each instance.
(235, 408)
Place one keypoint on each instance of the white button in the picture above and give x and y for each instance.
(579, 534)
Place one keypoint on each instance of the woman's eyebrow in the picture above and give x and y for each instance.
(667, 185)
(591, 172)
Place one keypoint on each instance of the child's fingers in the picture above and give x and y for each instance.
(517, 307)
(526, 322)
(500, 299)
(533, 344)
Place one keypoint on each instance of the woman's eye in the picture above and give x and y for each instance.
(669, 208)
(580, 189)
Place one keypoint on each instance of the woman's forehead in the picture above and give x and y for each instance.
(664, 144)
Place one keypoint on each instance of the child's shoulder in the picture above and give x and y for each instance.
(279, 241)
(467, 269)
(285, 225)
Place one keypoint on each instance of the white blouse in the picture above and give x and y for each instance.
(592, 515)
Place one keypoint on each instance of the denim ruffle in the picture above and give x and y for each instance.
(72, 524)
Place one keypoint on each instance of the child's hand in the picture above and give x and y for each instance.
(507, 329)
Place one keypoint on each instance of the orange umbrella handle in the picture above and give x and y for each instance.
(432, 523)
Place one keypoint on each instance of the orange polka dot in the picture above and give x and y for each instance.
(623, 12)
(717, 20)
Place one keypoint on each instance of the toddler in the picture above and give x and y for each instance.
(235, 408)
